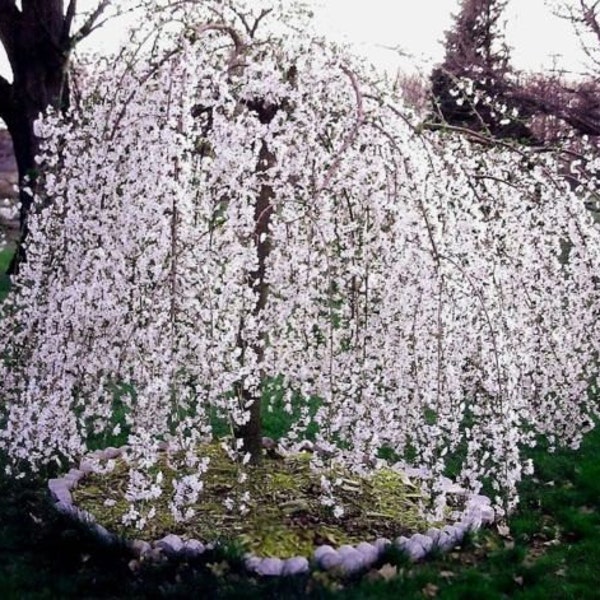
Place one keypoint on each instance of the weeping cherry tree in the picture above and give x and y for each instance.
(239, 203)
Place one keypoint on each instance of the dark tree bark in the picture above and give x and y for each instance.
(38, 42)
(251, 432)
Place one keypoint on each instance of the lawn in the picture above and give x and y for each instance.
(5, 256)
(551, 551)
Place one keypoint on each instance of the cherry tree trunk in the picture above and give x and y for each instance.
(251, 432)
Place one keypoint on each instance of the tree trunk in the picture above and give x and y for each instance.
(37, 43)
(25, 146)
(251, 432)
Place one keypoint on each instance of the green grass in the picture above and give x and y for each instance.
(5, 258)
(553, 552)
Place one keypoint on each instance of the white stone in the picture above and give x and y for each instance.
(463, 527)
(474, 517)
(103, 533)
(71, 480)
(140, 547)
(295, 566)
(111, 452)
(321, 551)
(65, 508)
(347, 550)
(351, 563)
(425, 541)
(369, 552)
(62, 494)
(84, 516)
(352, 559)
(55, 483)
(251, 562)
(414, 550)
(270, 567)
(487, 514)
(453, 532)
(445, 483)
(445, 542)
(171, 544)
(156, 555)
(400, 542)
(86, 466)
(382, 544)
(433, 533)
(193, 548)
(330, 560)
(479, 500)
(77, 474)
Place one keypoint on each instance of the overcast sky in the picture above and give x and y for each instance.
(416, 26)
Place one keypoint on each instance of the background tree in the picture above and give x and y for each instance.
(38, 37)
(469, 88)
(572, 101)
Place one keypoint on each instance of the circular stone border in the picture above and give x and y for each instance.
(346, 559)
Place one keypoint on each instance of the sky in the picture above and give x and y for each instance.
(539, 39)
(417, 27)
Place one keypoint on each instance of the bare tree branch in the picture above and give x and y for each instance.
(69, 16)
(91, 23)
(238, 42)
(590, 18)
(251, 29)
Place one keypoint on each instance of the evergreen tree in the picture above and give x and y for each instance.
(469, 88)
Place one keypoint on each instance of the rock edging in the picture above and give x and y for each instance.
(346, 559)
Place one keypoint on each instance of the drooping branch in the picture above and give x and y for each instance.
(240, 45)
(360, 118)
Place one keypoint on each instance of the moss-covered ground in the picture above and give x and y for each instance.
(552, 551)
(284, 517)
